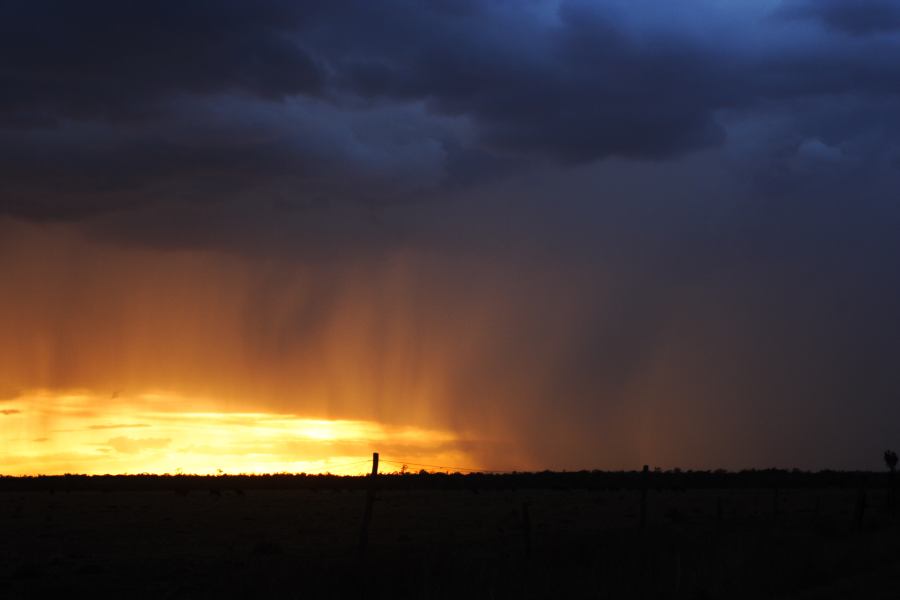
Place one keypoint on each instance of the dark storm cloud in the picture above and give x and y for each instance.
(116, 60)
(573, 88)
(110, 107)
(856, 17)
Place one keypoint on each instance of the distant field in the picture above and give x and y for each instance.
(236, 541)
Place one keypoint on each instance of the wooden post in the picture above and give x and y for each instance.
(677, 573)
(526, 529)
(860, 507)
(645, 476)
(776, 501)
(367, 515)
(719, 510)
(892, 497)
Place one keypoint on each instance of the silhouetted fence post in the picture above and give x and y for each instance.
(677, 573)
(719, 509)
(367, 515)
(776, 497)
(892, 492)
(645, 483)
(526, 528)
(890, 459)
(860, 507)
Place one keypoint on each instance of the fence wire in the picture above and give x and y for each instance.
(401, 462)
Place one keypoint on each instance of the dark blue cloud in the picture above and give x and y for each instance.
(106, 59)
(856, 17)
(108, 107)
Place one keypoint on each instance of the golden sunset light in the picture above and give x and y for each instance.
(50, 433)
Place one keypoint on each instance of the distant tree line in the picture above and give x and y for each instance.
(673, 480)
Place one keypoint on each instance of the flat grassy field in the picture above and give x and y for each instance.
(296, 543)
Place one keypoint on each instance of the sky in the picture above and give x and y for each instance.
(277, 236)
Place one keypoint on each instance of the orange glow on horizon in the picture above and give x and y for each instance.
(79, 432)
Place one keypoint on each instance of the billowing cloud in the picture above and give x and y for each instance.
(241, 123)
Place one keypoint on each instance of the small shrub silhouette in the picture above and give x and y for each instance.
(890, 459)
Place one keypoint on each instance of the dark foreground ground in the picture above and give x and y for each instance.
(219, 541)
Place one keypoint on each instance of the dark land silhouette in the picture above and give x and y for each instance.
(587, 534)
